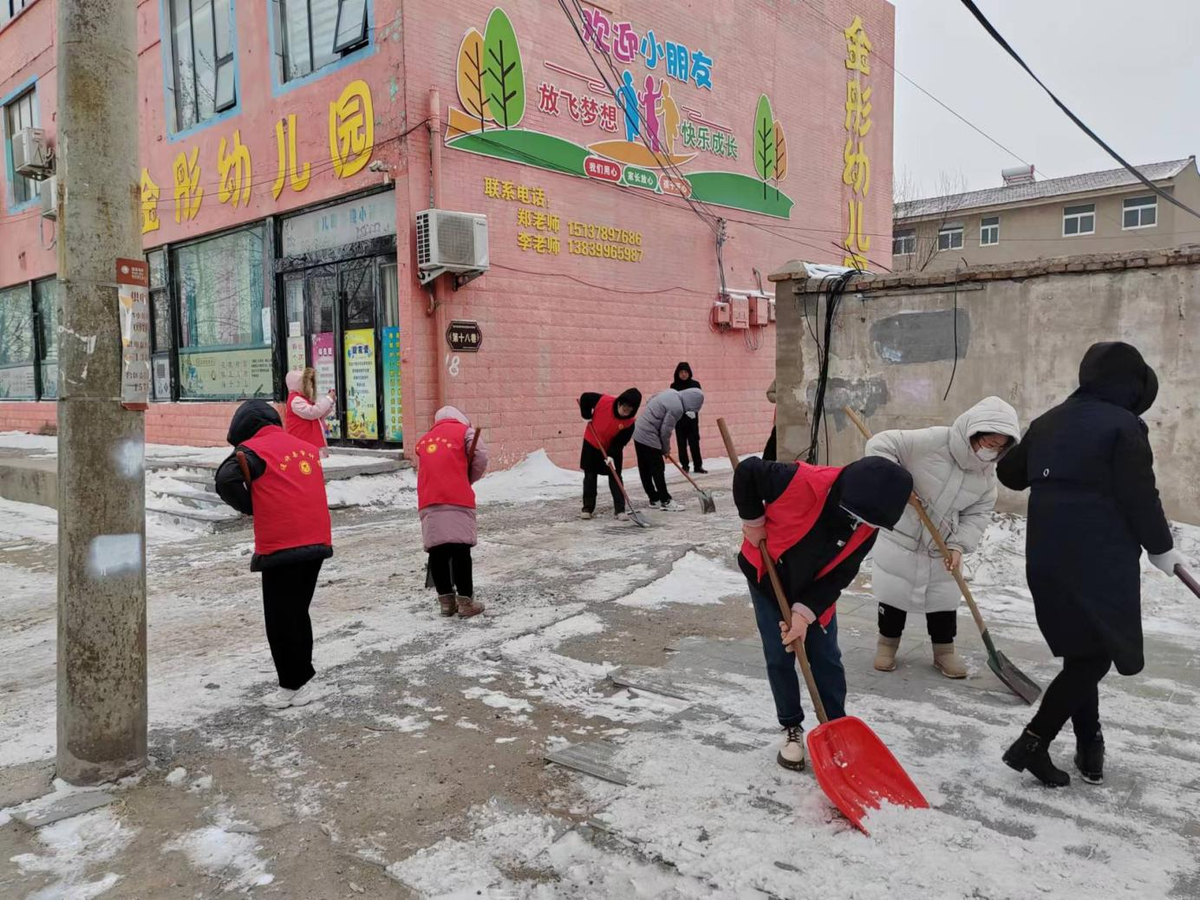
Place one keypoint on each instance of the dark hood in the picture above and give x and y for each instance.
(876, 490)
(633, 397)
(251, 417)
(1116, 372)
(677, 384)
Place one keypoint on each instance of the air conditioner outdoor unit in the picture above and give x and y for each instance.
(50, 198)
(32, 156)
(454, 242)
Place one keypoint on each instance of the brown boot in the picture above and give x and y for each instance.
(448, 605)
(885, 653)
(468, 607)
(949, 663)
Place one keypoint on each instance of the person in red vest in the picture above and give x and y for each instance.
(819, 522)
(292, 536)
(609, 428)
(304, 415)
(449, 461)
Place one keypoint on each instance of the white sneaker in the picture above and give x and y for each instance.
(585, 515)
(791, 754)
(621, 517)
(309, 693)
(281, 699)
(674, 506)
(654, 504)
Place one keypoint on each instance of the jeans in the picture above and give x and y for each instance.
(287, 593)
(450, 566)
(942, 626)
(824, 657)
(1074, 694)
(653, 471)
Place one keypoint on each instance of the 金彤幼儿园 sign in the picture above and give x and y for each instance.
(648, 122)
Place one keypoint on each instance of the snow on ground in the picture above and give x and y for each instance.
(533, 478)
(231, 857)
(694, 579)
(28, 520)
(72, 846)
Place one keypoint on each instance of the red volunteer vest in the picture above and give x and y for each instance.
(442, 466)
(605, 424)
(791, 517)
(290, 507)
(310, 430)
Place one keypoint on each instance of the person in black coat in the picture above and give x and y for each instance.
(1093, 506)
(819, 523)
(687, 431)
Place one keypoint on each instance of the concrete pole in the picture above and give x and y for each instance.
(101, 484)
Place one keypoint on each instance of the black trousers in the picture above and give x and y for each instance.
(1074, 694)
(769, 451)
(450, 566)
(287, 593)
(653, 471)
(943, 626)
(589, 490)
(687, 435)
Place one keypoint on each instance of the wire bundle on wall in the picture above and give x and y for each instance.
(834, 287)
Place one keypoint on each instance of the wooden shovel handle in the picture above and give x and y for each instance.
(682, 471)
(244, 466)
(1186, 577)
(471, 450)
(933, 530)
(780, 595)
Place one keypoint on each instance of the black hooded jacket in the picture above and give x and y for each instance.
(874, 489)
(591, 459)
(1093, 506)
(249, 418)
(679, 385)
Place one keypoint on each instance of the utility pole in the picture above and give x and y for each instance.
(101, 482)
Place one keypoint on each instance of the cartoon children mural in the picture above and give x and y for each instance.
(670, 114)
(651, 105)
(627, 100)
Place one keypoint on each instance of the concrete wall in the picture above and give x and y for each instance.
(1022, 332)
(554, 325)
(1035, 231)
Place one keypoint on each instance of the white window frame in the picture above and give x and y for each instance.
(1079, 216)
(10, 9)
(908, 235)
(989, 226)
(350, 34)
(223, 64)
(949, 231)
(1139, 205)
(30, 187)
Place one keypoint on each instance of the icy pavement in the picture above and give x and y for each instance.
(424, 774)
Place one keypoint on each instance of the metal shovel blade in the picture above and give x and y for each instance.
(857, 771)
(707, 503)
(1006, 670)
(637, 518)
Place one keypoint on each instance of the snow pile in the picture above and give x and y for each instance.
(397, 490)
(694, 579)
(20, 440)
(231, 857)
(28, 520)
(533, 478)
(73, 846)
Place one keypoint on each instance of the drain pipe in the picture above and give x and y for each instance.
(437, 308)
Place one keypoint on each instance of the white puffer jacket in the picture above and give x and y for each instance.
(959, 491)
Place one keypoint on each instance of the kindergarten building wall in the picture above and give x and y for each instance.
(1022, 329)
(593, 285)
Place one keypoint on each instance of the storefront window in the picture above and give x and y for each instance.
(162, 336)
(225, 322)
(16, 343)
(45, 295)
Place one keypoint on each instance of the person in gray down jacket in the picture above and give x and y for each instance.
(954, 474)
(652, 440)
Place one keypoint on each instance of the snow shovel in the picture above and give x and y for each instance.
(1003, 667)
(707, 504)
(470, 460)
(634, 516)
(852, 765)
(1186, 577)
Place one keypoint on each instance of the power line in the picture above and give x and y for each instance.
(996, 36)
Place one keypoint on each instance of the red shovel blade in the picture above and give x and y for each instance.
(856, 771)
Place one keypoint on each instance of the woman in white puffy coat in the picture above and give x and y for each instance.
(954, 473)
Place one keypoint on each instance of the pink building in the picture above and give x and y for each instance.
(638, 164)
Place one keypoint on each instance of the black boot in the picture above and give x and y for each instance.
(1089, 759)
(1031, 754)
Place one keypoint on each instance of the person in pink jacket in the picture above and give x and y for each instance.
(304, 415)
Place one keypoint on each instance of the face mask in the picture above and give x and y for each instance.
(987, 455)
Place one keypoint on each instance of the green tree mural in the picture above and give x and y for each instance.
(503, 74)
(765, 158)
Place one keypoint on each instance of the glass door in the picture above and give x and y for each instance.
(360, 354)
(310, 301)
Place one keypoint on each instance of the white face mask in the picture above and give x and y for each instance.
(987, 455)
